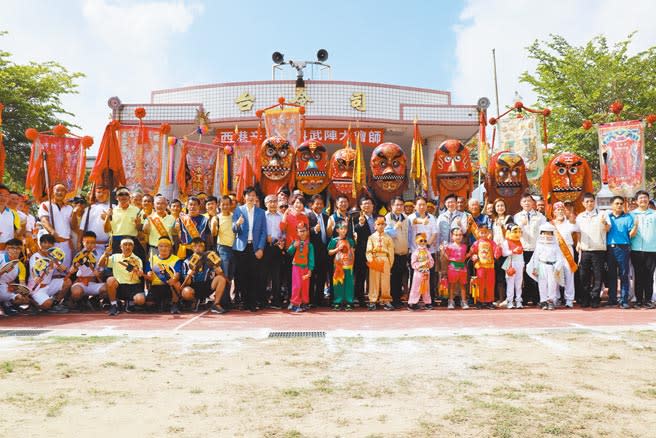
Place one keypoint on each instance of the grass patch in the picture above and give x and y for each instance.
(83, 339)
(18, 365)
(323, 385)
(613, 356)
(55, 405)
(291, 392)
(648, 393)
(195, 391)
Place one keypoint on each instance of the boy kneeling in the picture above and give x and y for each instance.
(125, 282)
(203, 277)
(87, 283)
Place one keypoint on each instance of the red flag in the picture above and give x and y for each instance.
(246, 178)
(108, 168)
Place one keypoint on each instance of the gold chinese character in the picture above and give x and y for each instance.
(245, 101)
(359, 101)
(301, 97)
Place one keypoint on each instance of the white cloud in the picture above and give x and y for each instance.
(123, 47)
(510, 26)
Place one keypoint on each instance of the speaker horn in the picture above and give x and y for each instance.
(483, 103)
(322, 55)
(278, 58)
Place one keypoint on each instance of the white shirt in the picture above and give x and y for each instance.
(61, 218)
(415, 228)
(96, 223)
(7, 229)
(273, 225)
(251, 219)
(566, 229)
(593, 231)
(530, 229)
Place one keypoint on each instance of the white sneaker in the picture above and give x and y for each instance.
(509, 305)
(451, 305)
(519, 305)
(464, 305)
(569, 304)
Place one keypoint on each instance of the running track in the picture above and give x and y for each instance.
(327, 320)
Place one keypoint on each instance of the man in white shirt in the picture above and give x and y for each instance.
(398, 229)
(56, 220)
(593, 226)
(529, 220)
(275, 245)
(93, 219)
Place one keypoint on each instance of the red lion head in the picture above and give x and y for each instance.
(276, 159)
(340, 173)
(566, 179)
(506, 178)
(388, 171)
(311, 164)
(451, 171)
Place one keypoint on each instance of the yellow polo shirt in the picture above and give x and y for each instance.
(120, 272)
(226, 236)
(123, 221)
(153, 236)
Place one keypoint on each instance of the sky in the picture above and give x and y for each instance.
(127, 48)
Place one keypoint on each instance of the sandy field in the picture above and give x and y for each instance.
(582, 383)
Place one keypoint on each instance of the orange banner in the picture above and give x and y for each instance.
(66, 161)
(142, 162)
(368, 137)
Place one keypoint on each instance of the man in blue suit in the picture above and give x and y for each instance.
(249, 225)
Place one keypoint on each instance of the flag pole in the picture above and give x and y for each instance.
(46, 177)
(496, 83)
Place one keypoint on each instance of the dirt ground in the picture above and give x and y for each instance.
(586, 383)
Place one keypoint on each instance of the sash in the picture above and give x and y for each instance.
(564, 248)
(474, 289)
(473, 227)
(424, 283)
(189, 225)
(156, 222)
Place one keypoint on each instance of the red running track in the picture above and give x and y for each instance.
(327, 320)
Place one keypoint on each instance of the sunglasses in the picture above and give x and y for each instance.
(284, 206)
(422, 240)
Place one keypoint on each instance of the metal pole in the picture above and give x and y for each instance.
(496, 83)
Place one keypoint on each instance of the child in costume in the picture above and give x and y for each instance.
(483, 252)
(455, 254)
(421, 262)
(302, 253)
(203, 277)
(512, 249)
(342, 248)
(87, 280)
(546, 266)
(163, 271)
(12, 274)
(380, 258)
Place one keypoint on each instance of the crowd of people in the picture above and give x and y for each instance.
(147, 253)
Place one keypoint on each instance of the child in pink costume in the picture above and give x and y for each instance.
(456, 271)
(422, 262)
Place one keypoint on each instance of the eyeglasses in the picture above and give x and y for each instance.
(422, 240)
(284, 206)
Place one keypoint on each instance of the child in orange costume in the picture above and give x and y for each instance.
(482, 253)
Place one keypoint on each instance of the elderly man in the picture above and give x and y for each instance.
(158, 224)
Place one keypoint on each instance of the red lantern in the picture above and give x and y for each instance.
(281, 100)
(546, 112)
(587, 124)
(519, 105)
(227, 149)
(616, 107)
(60, 130)
(87, 141)
(140, 113)
(31, 134)
(165, 128)
(493, 121)
(302, 110)
(650, 119)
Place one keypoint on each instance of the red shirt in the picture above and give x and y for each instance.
(289, 224)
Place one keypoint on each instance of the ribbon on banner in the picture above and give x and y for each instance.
(197, 169)
(522, 136)
(622, 156)
(142, 149)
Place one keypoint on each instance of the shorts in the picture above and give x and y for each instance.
(42, 294)
(159, 293)
(456, 276)
(202, 290)
(5, 295)
(91, 288)
(128, 291)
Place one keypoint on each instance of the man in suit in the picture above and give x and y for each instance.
(319, 239)
(364, 227)
(249, 225)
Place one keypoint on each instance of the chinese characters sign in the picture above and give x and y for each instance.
(368, 137)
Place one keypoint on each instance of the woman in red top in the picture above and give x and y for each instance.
(292, 217)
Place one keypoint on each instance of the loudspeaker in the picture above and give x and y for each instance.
(322, 55)
(278, 57)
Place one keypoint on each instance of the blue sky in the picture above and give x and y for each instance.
(128, 48)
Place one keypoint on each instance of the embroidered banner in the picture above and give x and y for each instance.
(622, 156)
(522, 136)
(66, 160)
(368, 137)
(142, 162)
(200, 161)
(285, 123)
(240, 151)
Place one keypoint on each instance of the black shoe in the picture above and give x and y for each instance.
(388, 307)
(594, 304)
(348, 307)
(113, 310)
(336, 307)
(428, 307)
(10, 310)
(175, 310)
(217, 309)
(371, 306)
(276, 306)
(58, 308)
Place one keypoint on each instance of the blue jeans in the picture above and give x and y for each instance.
(618, 260)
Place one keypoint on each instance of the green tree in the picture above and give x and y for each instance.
(580, 83)
(32, 96)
